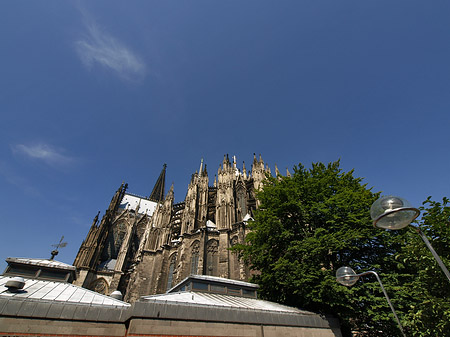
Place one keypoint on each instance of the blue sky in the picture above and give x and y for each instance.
(93, 93)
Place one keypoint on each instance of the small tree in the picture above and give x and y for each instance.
(307, 226)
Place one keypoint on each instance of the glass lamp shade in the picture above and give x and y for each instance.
(346, 276)
(392, 212)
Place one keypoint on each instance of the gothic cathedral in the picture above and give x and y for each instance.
(147, 245)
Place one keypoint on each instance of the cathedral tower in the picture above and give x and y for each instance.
(146, 246)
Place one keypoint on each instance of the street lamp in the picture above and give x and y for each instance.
(347, 277)
(396, 213)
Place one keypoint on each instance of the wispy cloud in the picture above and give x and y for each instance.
(44, 153)
(99, 47)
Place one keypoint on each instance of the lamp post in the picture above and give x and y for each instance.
(392, 212)
(347, 277)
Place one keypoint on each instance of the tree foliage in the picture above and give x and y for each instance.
(310, 224)
(428, 290)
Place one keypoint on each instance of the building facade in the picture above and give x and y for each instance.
(147, 245)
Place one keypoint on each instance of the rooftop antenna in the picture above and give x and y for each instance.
(59, 245)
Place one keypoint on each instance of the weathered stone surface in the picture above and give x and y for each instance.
(141, 252)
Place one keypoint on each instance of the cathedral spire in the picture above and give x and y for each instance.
(277, 172)
(201, 168)
(288, 174)
(158, 191)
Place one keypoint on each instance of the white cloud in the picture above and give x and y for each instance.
(43, 152)
(102, 48)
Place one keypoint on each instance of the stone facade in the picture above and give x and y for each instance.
(144, 246)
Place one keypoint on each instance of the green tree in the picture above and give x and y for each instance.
(312, 223)
(427, 291)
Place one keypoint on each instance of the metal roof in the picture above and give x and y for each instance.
(59, 292)
(219, 300)
(214, 279)
(41, 262)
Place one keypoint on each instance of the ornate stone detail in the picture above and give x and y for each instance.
(100, 286)
(212, 247)
(195, 250)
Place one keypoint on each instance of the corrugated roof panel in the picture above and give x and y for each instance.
(87, 297)
(40, 289)
(66, 294)
(222, 300)
(108, 301)
(56, 291)
(77, 295)
(97, 299)
(41, 262)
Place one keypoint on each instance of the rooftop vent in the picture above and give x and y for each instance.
(116, 295)
(15, 284)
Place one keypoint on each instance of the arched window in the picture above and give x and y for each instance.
(171, 275)
(212, 257)
(195, 250)
(241, 202)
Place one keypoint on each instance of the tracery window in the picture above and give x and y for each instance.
(241, 203)
(195, 250)
(212, 257)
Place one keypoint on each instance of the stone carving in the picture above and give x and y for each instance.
(100, 286)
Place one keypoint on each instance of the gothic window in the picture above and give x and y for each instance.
(212, 257)
(171, 275)
(241, 203)
(152, 244)
(114, 242)
(194, 257)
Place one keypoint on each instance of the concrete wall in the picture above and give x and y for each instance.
(14, 326)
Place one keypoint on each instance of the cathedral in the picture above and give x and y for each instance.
(147, 245)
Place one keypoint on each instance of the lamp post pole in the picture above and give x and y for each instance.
(436, 257)
(347, 276)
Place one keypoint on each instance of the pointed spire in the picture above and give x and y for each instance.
(171, 189)
(201, 167)
(234, 162)
(170, 193)
(288, 174)
(260, 158)
(95, 221)
(277, 172)
(244, 170)
(215, 181)
(158, 191)
(254, 159)
(205, 172)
